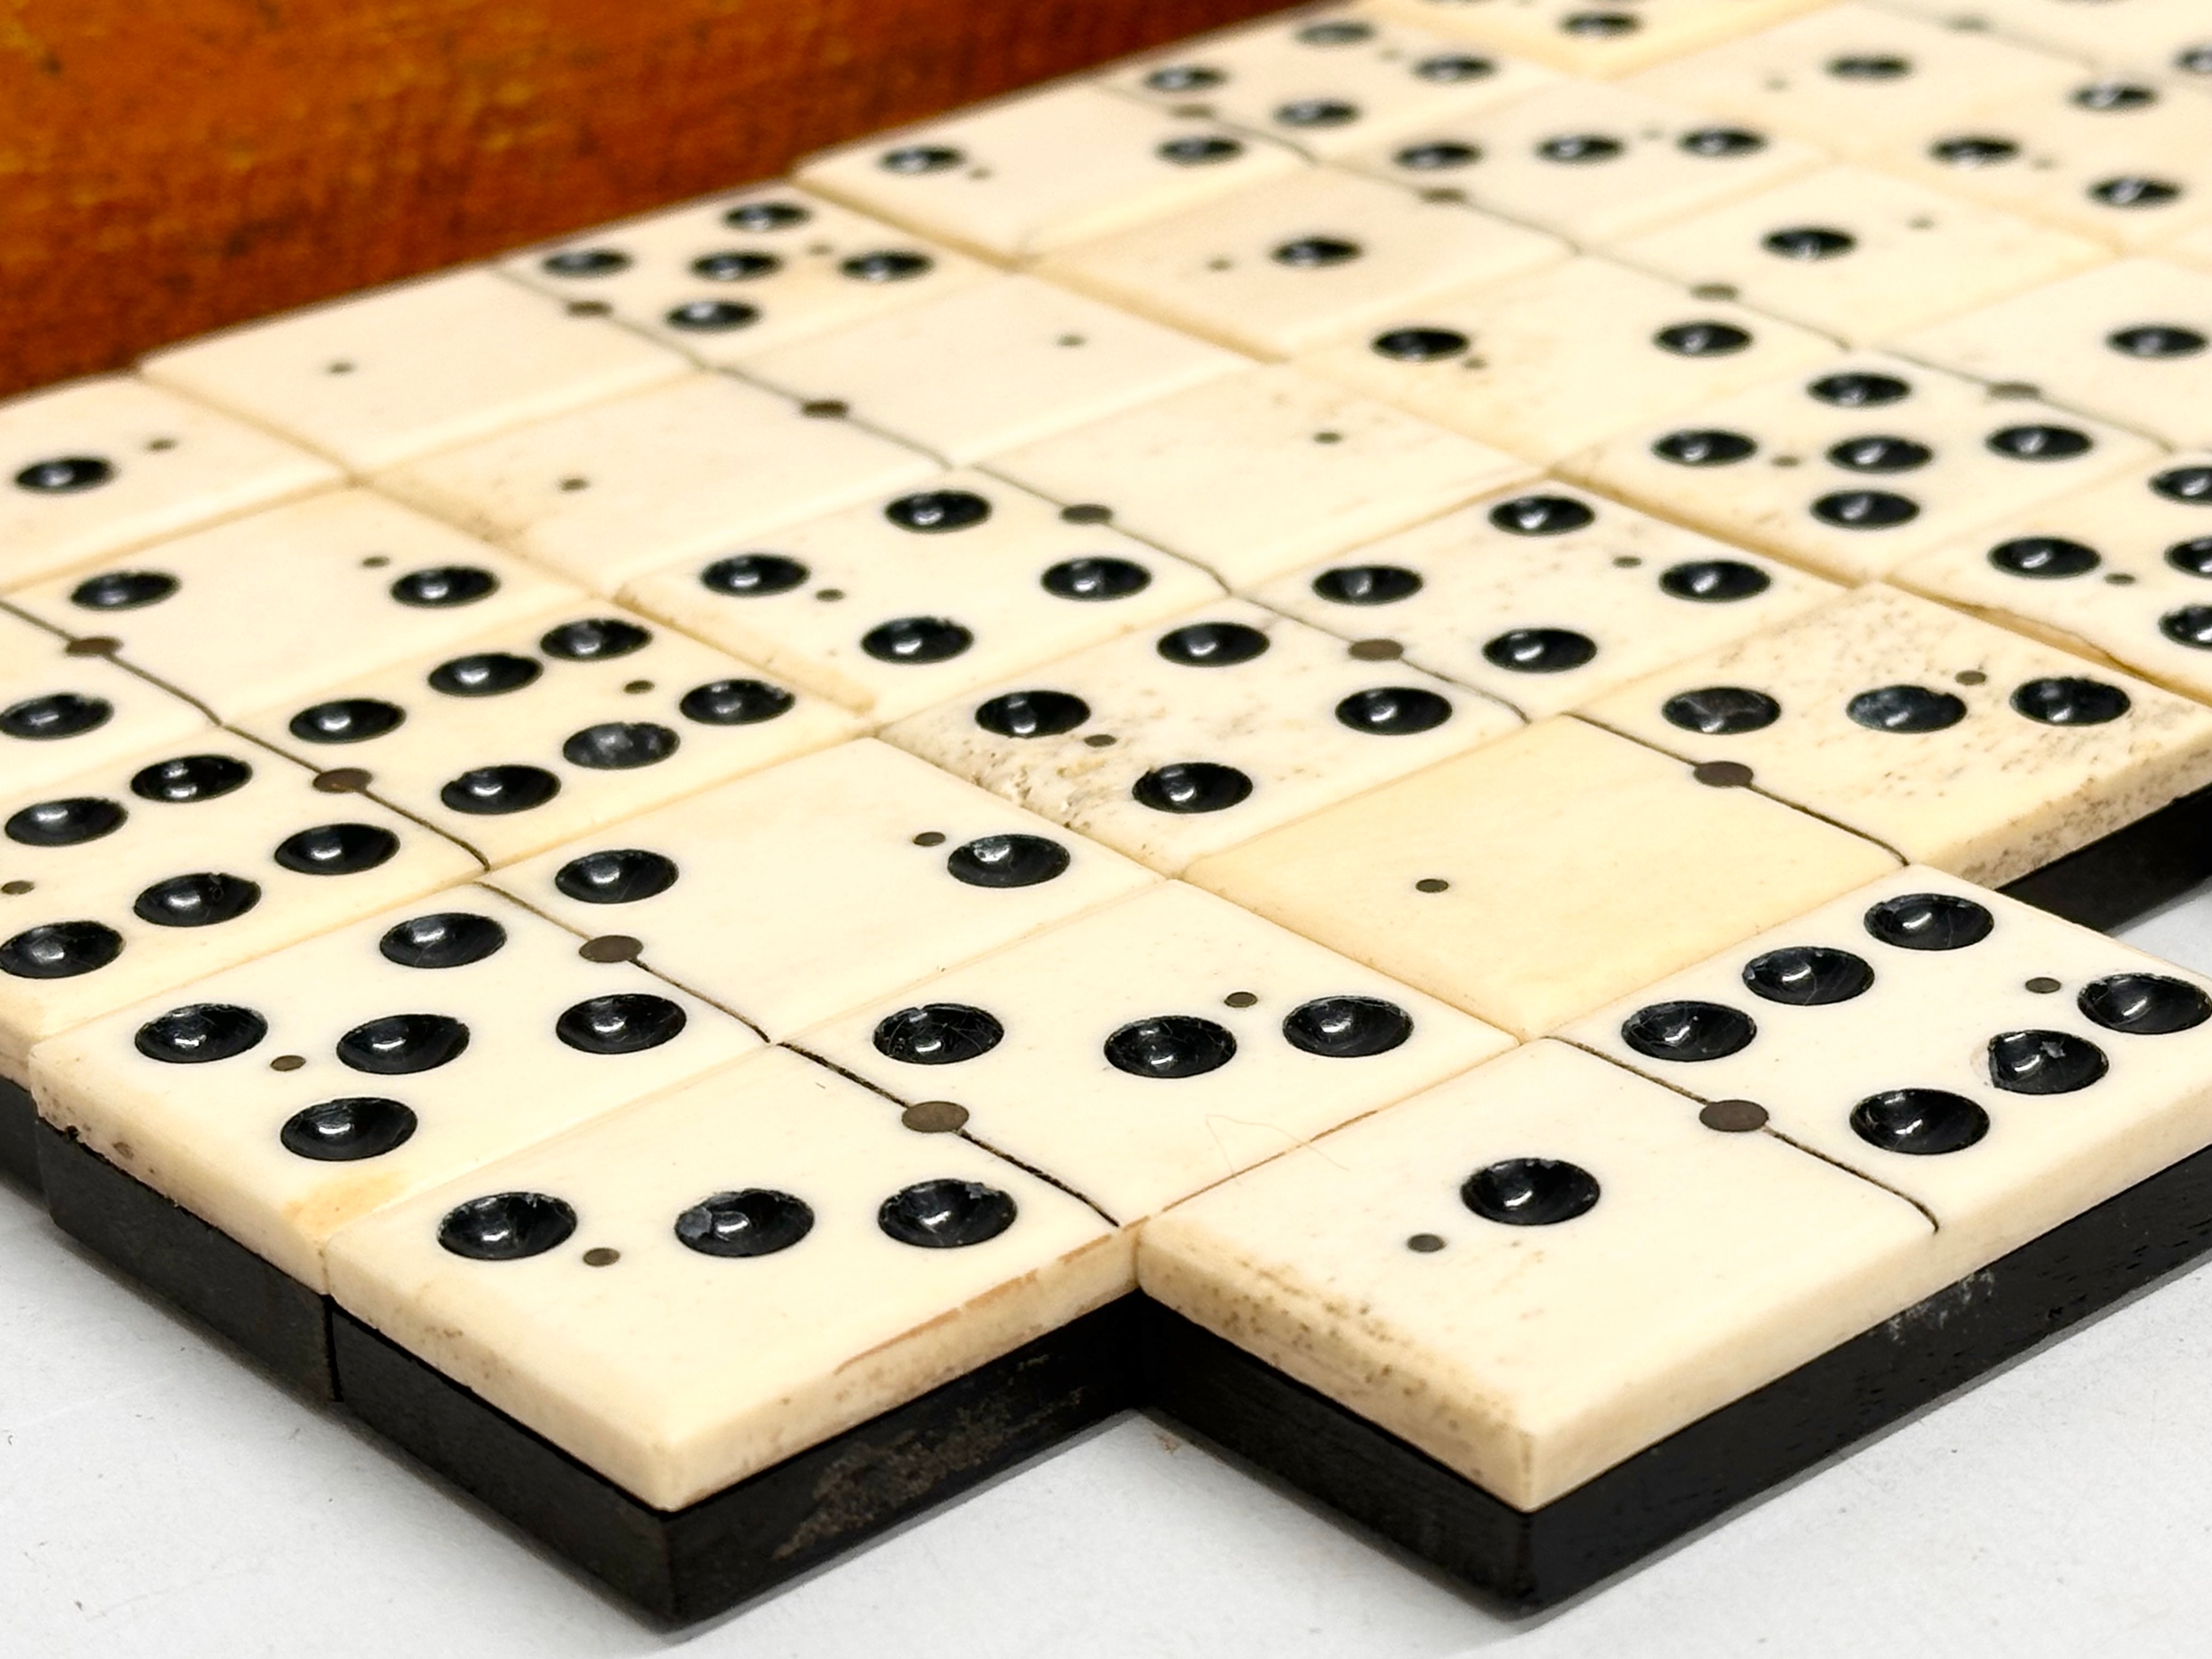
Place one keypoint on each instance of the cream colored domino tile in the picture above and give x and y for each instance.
(531, 734)
(1955, 743)
(732, 275)
(100, 467)
(1860, 466)
(1542, 875)
(1261, 471)
(895, 605)
(1540, 1268)
(1548, 598)
(2127, 342)
(2127, 161)
(281, 1099)
(1296, 263)
(1150, 1049)
(1018, 178)
(1565, 358)
(62, 713)
(1596, 37)
(277, 605)
(2118, 574)
(2194, 249)
(1849, 77)
(1327, 81)
(606, 493)
(143, 874)
(2001, 1068)
(667, 1294)
(2139, 35)
(846, 874)
(991, 367)
(1589, 160)
(377, 378)
(1859, 255)
(1175, 744)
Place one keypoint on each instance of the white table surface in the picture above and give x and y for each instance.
(158, 1496)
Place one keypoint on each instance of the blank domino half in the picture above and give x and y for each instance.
(1402, 730)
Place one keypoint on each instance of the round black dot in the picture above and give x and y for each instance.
(1539, 650)
(1720, 141)
(484, 674)
(886, 265)
(68, 822)
(1865, 510)
(1431, 883)
(1809, 242)
(628, 1022)
(1714, 581)
(64, 475)
(346, 720)
(911, 639)
(1807, 976)
(735, 702)
(200, 1032)
(1703, 339)
(2114, 94)
(1367, 583)
(1033, 713)
(760, 216)
(2156, 340)
(753, 575)
(59, 951)
(2044, 1061)
(711, 316)
(2190, 485)
(337, 849)
(1721, 711)
(945, 1215)
(2069, 699)
(2194, 60)
(1704, 447)
(1309, 253)
(1170, 1045)
(585, 262)
(346, 1130)
(1198, 150)
(938, 1033)
(1451, 68)
(1920, 1122)
(1880, 454)
(1316, 112)
(191, 778)
(1211, 644)
(506, 1226)
(2190, 626)
(735, 264)
(1600, 25)
(2134, 190)
(399, 1045)
(621, 875)
(492, 791)
(200, 899)
(1347, 1027)
(1419, 345)
(1530, 1192)
(1337, 34)
(757, 1221)
(441, 586)
(1907, 708)
(1184, 78)
(619, 746)
(1973, 151)
(122, 590)
(1095, 578)
(1394, 711)
(1688, 1031)
(1185, 787)
(1930, 921)
(594, 640)
(1542, 515)
(2143, 1005)
(2040, 443)
(1439, 157)
(2194, 557)
(443, 939)
(1007, 861)
(1869, 66)
(2047, 558)
(935, 512)
(59, 714)
(1858, 389)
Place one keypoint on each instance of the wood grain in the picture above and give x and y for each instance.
(168, 168)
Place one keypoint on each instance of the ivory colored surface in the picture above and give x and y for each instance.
(377, 378)
(606, 493)
(1916, 255)
(1530, 1358)
(236, 834)
(675, 1373)
(206, 1136)
(2141, 34)
(1533, 160)
(1046, 1096)
(1326, 79)
(1549, 31)
(1221, 270)
(2194, 249)
(864, 568)
(2129, 605)
(1927, 1022)
(1771, 498)
(1640, 591)
(1578, 865)
(2059, 338)
(1567, 357)
(834, 900)
(1261, 471)
(442, 737)
(172, 466)
(44, 693)
(997, 365)
(1989, 797)
(1274, 719)
(1015, 178)
(828, 270)
(273, 606)
(1788, 78)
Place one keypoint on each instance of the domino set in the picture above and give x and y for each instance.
(1401, 731)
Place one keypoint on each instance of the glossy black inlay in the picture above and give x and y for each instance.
(1973, 151)
(1316, 112)
(1856, 388)
(1438, 157)
(1539, 650)
(886, 265)
(937, 1034)
(68, 822)
(711, 316)
(1095, 579)
(1530, 1192)
(2114, 94)
(348, 1130)
(1721, 711)
(2040, 441)
(202, 899)
(1807, 976)
(507, 1227)
(1007, 861)
(2193, 556)
(1579, 148)
(443, 938)
(1347, 1027)
(2156, 340)
(191, 778)
(619, 746)
(1809, 242)
(753, 575)
(485, 674)
(1199, 150)
(1866, 510)
(760, 216)
(1394, 711)
(1190, 786)
(1703, 339)
(491, 791)
(1542, 515)
(2044, 1062)
(337, 849)
(59, 951)
(756, 1221)
(1367, 583)
(1688, 1031)
(2190, 626)
(1033, 713)
(1419, 345)
(1310, 253)
(346, 720)
(199, 1034)
(617, 875)
(1714, 581)
(1184, 78)
(123, 590)
(585, 262)
(2143, 1005)
(2135, 189)
(1880, 454)
(1600, 25)
(1919, 1122)
(2070, 700)
(735, 264)
(58, 714)
(1170, 1045)
(1907, 708)
(1720, 141)
(935, 512)
(1211, 644)
(1704, 447)
(2046, 557)
(442, 587)
(627, 1022)
(735, 702)
(399, 1045)
(1930, 921)
(1336, 34)
(917, 639)
(945, 1215)
(594, 640)
(1869, 66)
(1451, 68)
(64, 475)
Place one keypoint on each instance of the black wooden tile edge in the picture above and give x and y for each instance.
(2134, 869)
(18, 1134)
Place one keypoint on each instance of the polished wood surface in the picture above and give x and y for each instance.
(167, 168)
